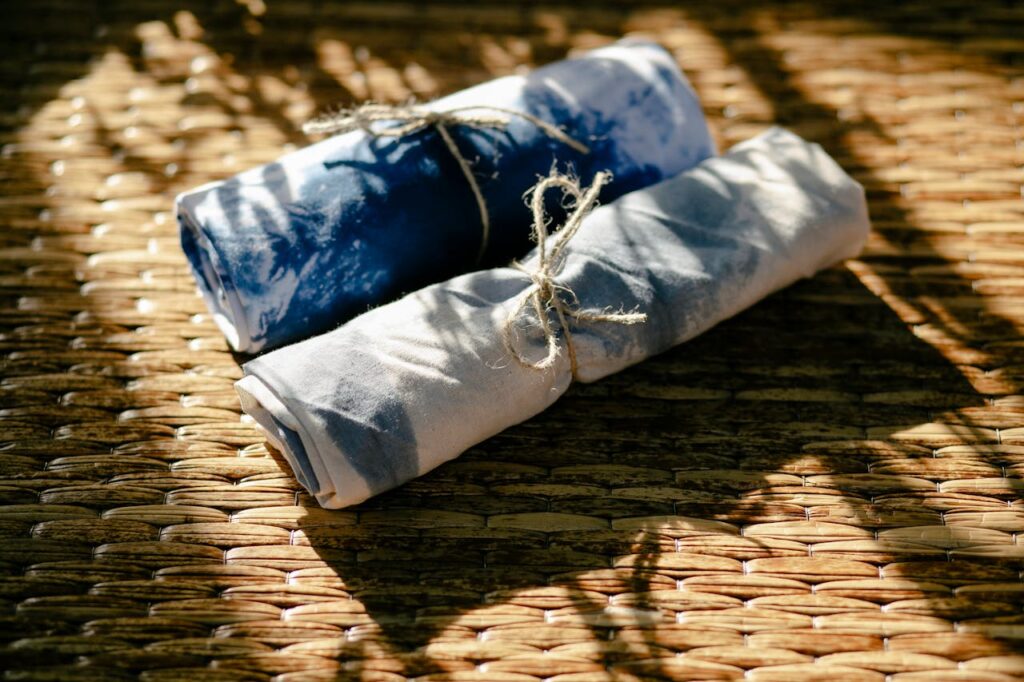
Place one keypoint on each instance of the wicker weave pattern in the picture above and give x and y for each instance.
(826, 487)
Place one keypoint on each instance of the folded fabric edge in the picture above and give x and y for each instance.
(213, 282)
(290, 438)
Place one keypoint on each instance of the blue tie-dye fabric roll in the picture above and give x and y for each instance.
(293, 248)
(407, 386)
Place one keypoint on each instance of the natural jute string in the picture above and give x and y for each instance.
(546, 293)
(412, 118)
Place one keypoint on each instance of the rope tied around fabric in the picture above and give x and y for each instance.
(545, 293)
(414, 118)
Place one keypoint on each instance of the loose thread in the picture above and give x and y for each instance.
(546, 293)
(412, 119)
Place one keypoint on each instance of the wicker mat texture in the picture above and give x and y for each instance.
(827, 487)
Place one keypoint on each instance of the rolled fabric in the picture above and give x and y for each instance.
(291, 249)
(407, 386)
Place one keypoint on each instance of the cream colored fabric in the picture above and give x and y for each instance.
(410, 385)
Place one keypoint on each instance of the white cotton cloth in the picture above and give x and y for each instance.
(405, 387)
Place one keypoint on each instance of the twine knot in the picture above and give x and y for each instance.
(545, 293)
(413, 118)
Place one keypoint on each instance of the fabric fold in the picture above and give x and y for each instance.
(412, 384)
(295, 247)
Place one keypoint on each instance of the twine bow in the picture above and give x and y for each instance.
(546, 293)
(412, 119)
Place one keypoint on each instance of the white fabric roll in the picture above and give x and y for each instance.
(412, 384)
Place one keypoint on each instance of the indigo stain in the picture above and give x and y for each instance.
(373, 430)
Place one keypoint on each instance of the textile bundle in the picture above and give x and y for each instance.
(295, 247)
(409, 385)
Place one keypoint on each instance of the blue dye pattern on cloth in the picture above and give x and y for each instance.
(293, 248)
(409, 385)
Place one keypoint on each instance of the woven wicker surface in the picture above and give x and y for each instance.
(827, 487)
